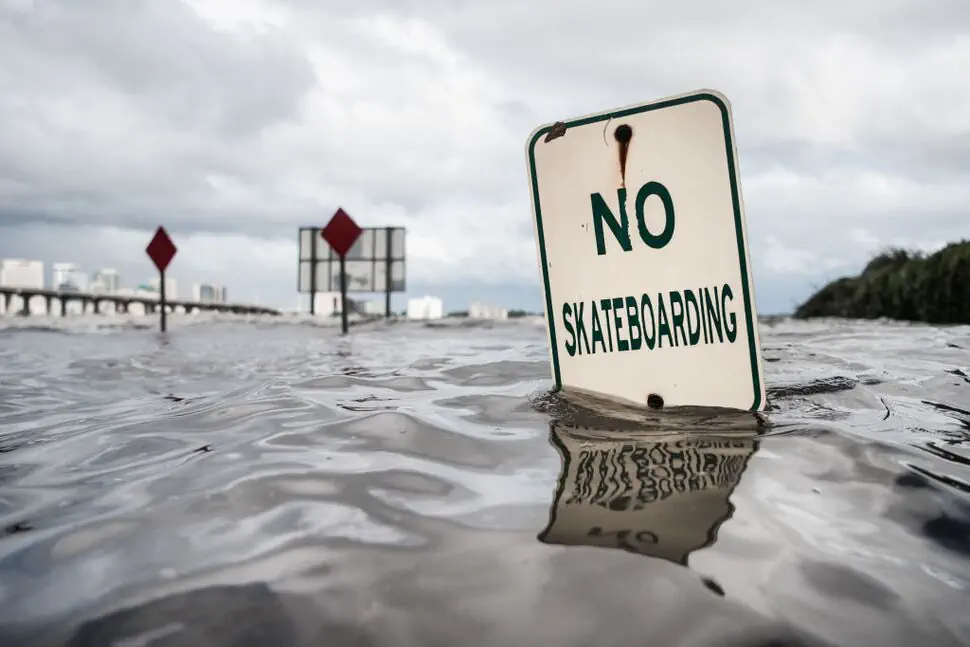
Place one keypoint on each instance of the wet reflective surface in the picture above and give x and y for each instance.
(664, 496)
(261, 482)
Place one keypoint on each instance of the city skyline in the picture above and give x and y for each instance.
(455, 298)
(66, 276)
(491, 302)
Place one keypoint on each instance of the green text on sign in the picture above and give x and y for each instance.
(626, 323)
(621, 228)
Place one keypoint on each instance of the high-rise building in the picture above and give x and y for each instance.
(209, 293)
(425, 308)
(146, 290)
(61, 274)
(68, 277)
(485, 311)
(202, 292)
(106, 281)
(326, 304)
(20, 273)
(171, 288)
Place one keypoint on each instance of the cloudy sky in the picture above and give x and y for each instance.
(233, 122)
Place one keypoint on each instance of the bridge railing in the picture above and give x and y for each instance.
(26, 295)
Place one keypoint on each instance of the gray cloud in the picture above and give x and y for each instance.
(161, 56)
(233, 123)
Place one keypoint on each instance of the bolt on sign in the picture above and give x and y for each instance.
(643, 254)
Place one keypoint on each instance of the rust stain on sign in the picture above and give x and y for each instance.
(623, 135)
(558, 130)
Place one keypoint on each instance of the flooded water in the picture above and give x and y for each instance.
(269, 482)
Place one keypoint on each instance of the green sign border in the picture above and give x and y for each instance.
(738, 224)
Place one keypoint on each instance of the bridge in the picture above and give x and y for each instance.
(92, 303)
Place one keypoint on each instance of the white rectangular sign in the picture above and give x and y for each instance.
(362, 276)
(366, 261)
(643, 254)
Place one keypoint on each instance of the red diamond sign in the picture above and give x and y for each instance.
(341, 232)
(161, 250)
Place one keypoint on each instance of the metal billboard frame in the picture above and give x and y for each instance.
(318, 252)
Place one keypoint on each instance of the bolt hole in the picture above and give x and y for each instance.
(623, 134)
(654, 401)
(713, 586)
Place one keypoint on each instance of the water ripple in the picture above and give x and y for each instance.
(252, 481)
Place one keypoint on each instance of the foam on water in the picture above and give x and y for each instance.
(265, 481)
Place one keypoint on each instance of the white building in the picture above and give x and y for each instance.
(20, 273)
(373, 307)
(485, 311)
(209, 293)
(105, 281)
(171, 288)
(425, 307)
(68, 277)
(142, 290)
(327, 304)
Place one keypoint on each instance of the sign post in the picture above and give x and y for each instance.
(341, 233)
(313, 279)
(388, 277)
(161, 250)
(643, 255)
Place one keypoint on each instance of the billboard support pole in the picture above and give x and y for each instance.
(387, 279)
(366, 282)
(313, 272)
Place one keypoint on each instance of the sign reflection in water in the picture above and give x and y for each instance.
(663, 495)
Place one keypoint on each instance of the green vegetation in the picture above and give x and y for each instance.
(902, 285)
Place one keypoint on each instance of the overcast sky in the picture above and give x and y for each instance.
(233, 122)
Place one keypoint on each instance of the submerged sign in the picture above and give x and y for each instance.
(643, 254)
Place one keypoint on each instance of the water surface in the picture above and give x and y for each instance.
(250, 482)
